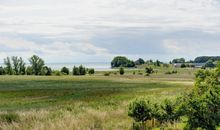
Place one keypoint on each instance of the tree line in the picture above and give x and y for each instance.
(122, 61)
(201, 105)
(16, 66)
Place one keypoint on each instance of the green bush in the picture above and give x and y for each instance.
(2, 71)
(9, 117)
(91, 71)
(141, 110)
(107, 74)
(65, 71)
(46, 71)
(57, 73)
(121, 71)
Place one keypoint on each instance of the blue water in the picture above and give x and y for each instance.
(96, 66)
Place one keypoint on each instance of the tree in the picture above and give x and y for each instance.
(37, 64)
(2, 71)
(157, 63)
(65, 71)
(209, 64)
(141, 111)
(29, 70)
(46, 71)
(204, 59)
(140, 61)
(121, 71)
(76, 71)
(121, 61)
(8, 68)
(18, 65)
(149, 70)
(179, 60)
(203, 104)
(82, 70)
(91, 71)
(183, 65)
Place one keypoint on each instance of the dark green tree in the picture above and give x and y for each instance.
(46, 71)
(65, 71)
(141, 110)
(82, 70)
(121, 71)
(121, 61)
(140, 61)
(2, 71)
(91, 71)
(76, 71)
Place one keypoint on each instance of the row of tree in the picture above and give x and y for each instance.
(16, 66)
(121, 61)
(201, 105)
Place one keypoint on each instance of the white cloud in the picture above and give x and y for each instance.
(71, 25)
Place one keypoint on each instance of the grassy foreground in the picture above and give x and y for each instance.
(80, 103)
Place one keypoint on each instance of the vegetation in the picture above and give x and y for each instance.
(121, 61)
(201, 106)
(140, 61)
(37, 64)
(204, 59)
(79, 70)
(179, 60)
(91, 71)
(65, 71)
(121, 71)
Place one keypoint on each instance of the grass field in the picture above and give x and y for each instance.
(82, 103)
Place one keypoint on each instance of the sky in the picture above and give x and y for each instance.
(98, 30)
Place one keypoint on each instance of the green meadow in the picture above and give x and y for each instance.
(95, 102)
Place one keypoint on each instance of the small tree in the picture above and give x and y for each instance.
(91, 71)
(46, 71)
(141, 111)
(82, 70)
(65, 71)
(183, 65)
(76, 71)
(2, 71)
(121, 71)
(149, 70)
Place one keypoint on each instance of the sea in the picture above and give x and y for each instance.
(98, 66)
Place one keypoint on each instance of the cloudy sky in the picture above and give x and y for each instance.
(98, 30)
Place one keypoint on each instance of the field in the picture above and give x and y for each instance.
(93, 102)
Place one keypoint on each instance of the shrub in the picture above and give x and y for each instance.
(57, 73)
(91, 71)
(171, 72)
(183, 66)
(141, 111)
(65, 71)
(46, 71)
(9, 117)
(149, 70)
(107, 74)
(121, 71)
